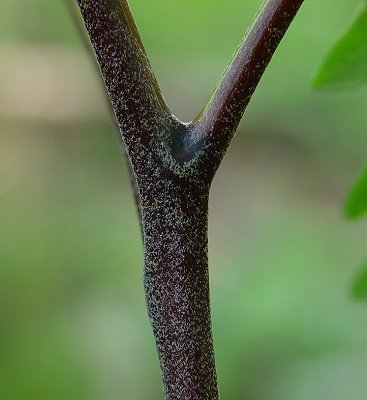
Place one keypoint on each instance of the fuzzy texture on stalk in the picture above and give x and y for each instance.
(174, 164)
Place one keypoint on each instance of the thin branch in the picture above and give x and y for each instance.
(219, 120)
(78, 23)
(134, 92)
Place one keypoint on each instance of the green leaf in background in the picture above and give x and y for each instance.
(356, 204)
(346, 64)
(359, 287)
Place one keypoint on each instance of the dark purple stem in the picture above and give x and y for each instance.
(219, 120)
(174, 164)
(141, 112)
(78, 22)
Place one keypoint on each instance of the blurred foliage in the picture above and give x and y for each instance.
(359, 289)
(356, 204)
(346, 65)
(73, 322)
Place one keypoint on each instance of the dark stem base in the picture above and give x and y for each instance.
(177, 286)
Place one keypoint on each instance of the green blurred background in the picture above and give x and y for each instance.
(73, 323)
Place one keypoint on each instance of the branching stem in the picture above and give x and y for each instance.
(221, 116)
(174, 164)
(83, 34)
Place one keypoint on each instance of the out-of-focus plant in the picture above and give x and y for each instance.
(346, 64)
(356, 204)
(346, 67)
(356, 207)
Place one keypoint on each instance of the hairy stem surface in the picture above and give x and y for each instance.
(177, 284)
(219, 120)
(174, 164)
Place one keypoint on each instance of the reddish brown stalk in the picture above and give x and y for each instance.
(78, 22)
(174, 165)
(132, 87)
(220, 118)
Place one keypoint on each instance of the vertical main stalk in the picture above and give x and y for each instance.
(177, 285)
